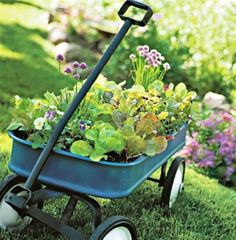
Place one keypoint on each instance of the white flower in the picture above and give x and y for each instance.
(39, 122)
(60, 113)
(132, 57)
(17, 100)
(166, 66)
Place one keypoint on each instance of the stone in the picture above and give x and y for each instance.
(216, 101)
(56, 33)
(74, 52)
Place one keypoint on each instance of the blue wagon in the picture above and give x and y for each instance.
(42, 174)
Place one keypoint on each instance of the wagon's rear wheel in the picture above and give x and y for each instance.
(9, 218)
(174, 182)
(115, 228)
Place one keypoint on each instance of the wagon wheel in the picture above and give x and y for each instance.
(174, 182)
(115, 228)
(9, 218)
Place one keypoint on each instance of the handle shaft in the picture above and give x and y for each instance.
(72, 108)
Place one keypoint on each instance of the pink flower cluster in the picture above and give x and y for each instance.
(214, 145)
(152, 57)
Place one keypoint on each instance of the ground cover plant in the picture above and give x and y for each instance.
(205, 210)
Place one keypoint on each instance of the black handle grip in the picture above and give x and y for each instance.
(136, 4)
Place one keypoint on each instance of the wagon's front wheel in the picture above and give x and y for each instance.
(174, 182)
(115, 228)
(9, 218)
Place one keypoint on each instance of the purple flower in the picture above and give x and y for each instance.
(83, 65)
(50, 115)
(68, 70)
(146, 48)
(157, 16)
(75, 65)
(229, 172)
(208, 159)
(60, 57)
(82, 125)
(140, 49)
(77, 76)
(227, 117)
(154, 52)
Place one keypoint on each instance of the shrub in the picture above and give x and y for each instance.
(212, 146)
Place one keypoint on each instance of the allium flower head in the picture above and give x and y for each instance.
(132, 57)
(83, 65)
(75, 65)
(161, 58)
(68, 70)
(155, 53)
(140, 48)
(166, 66)
(60, 57)
(146, 48)
(77, 76)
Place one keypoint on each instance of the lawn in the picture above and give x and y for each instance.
(205, 210)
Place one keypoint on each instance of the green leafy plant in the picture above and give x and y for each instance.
(112, 123)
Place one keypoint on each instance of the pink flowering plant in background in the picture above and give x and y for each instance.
(212, 146)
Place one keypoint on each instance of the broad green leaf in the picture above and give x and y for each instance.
(181, 90)
(97, 156)
(107, 96)
(128, 131)
(81, 147)
(135, 145)
(92, 134)
(144, 126)
(36, 141)
(118, 117)
(15, 126)
(169, 93)
(151, 147)
(161, 144)
(192, 95)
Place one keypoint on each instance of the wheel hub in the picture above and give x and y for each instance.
(118, 233)
(9, 218)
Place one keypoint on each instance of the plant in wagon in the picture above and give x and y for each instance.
(112, 123)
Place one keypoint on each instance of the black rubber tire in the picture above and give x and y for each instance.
(166, 192)
(11, 181)
(110, 223)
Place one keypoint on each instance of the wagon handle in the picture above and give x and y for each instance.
(139, 5)
(86, 86)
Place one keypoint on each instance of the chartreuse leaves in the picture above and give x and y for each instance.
(81, 147)
(104, 138)
(144, 126)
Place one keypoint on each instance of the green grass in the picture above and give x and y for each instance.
(27, 65)
(206, 210)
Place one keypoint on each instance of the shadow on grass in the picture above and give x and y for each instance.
(29, 75)
(21, 2)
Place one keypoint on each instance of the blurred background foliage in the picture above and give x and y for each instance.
(197, 38)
